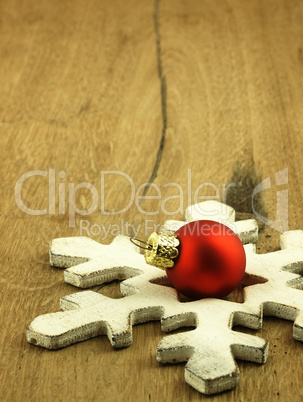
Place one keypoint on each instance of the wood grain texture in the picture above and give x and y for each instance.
(95, 86)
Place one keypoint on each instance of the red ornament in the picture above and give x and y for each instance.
(202, 258)
(211, 260)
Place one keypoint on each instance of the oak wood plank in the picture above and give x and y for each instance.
(90, 87)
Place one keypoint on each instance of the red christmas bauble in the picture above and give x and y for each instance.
(211, 260)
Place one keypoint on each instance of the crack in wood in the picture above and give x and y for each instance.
(163, 94)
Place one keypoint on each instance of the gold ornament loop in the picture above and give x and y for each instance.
(138, 243)
(161, 250)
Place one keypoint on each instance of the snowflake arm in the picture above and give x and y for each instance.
(90, 263)
(211, 348)
(247, 230)
(281, 296)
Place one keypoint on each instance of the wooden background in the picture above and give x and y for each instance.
(158, 90)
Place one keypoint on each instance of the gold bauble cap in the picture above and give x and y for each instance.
(161, 250)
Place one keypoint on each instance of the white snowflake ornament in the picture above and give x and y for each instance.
(211, 347)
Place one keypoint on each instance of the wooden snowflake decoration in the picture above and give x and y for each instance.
(210, 349)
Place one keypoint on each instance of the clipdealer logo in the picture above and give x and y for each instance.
(57, 191)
